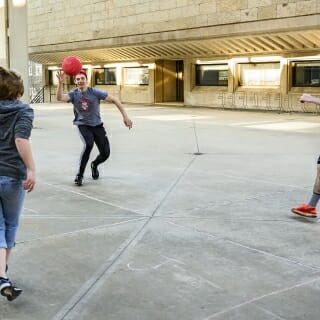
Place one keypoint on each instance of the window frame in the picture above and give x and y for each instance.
(105, 72)
(293, 67)
(262, 81)
(202, 83)
(137, 81)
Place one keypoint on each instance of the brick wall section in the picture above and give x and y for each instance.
(60, 21)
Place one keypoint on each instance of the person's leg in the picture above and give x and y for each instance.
(102, 142)
(313, 202)
(86, 136)
(3, 243)
(12, 198)
(3, 263)
(12, 204)
(8, 254)
(309, 210)
(316, 188)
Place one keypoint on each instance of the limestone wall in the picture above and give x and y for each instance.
(54, 22)
(263, 101)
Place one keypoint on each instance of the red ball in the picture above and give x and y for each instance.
(71, 65)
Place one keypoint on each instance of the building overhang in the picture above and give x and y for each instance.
(214, 42)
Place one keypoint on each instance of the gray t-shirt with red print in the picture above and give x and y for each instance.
(86, 106)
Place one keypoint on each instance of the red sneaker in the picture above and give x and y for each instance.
(305, 210)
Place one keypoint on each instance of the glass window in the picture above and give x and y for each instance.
(105, 76)
(38, 69)
(211, 75)
(306, 74)
(259, 74)
(136, 76)
(53, 80)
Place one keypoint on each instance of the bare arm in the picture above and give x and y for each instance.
(309, 98)
(128, 123)
(24, 149)
(59, 94)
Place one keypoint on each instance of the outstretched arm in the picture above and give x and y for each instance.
(128, 123)
(59, 94)
(309, 98)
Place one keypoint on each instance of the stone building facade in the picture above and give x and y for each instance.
(244, 54)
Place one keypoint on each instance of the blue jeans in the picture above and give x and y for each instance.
(12, 196)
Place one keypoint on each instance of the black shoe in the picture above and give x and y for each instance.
(8, 290)
(4, 284)
(12, 292)
(78, 180)
(94, 171)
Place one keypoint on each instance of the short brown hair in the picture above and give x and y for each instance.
(11, 85)
(81, 72)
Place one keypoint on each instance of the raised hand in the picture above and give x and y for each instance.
(308, 98)
(61, 76)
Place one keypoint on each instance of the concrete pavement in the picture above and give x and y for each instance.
(190, 219)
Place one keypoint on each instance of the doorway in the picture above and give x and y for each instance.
(169, 81)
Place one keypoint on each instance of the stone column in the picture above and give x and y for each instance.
(3, 35)
(17, 43)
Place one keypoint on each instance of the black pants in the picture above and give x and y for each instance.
(90, 135)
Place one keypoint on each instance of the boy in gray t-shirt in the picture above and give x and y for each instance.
(86, 108)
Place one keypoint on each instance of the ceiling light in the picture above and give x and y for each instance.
(19, 3)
